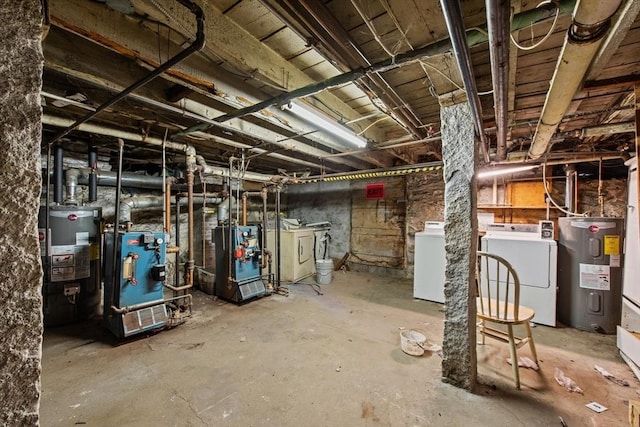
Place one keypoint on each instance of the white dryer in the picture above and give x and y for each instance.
(429, 263)
(535, 260)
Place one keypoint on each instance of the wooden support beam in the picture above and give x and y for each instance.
(609, 129)
(176, 92)
(105, 69)
(237, 47)
(472, 38)
(626, 81)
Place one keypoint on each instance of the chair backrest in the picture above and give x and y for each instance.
(498, 287)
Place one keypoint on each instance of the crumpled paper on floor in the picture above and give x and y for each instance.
(433, 348)
(566, 382)
(610, 376)
(525, 362)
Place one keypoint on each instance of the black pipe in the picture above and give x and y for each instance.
(520, 21)
(93, 179)
(455, 25)
(58, 173)
(47, 251)
(115, 276)
(193, 47)
(277, 237)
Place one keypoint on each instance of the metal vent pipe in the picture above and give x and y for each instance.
(58, 173)
(569, 189)
(498, 29)
(455, 26)
(93, 179)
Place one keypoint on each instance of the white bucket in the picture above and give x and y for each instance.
(324, 269)
(412, 342)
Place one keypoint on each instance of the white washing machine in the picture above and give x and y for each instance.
(535, 260)
(429, 263)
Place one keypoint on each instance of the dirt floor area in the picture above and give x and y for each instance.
(329, 359)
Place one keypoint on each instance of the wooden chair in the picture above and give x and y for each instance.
(498, 302)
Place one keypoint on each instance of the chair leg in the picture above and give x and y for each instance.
(482, 331)
(532, 345)
(514, 356)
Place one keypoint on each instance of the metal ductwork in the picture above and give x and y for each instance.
(591, 21)
(138, 202)
(93, 179)
(455, 26)
(82, 176)
(570, 187)
(58, 171)
(145, 202)
(498, 29)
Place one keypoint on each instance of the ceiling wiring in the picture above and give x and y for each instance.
(551, 29)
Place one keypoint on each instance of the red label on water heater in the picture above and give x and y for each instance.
(594, 228)
(132, 242)
(72, 217)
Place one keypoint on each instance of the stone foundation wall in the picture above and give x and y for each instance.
(20, 269)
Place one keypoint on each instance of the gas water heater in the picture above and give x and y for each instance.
(590, 262)
(71, 283)
(134, 287)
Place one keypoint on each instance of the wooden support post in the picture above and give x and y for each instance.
(634, 413)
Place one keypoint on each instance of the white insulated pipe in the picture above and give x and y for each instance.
(591, 21)
(102, 130)
(224, 172)
(145, 202)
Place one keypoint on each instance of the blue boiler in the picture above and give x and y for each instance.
(238, 263)
(134, 297)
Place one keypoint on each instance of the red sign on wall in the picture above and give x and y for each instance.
(375, 191)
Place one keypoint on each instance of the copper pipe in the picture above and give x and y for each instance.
(179, 288)
(167, 207)
(173, 250)
(244, 208)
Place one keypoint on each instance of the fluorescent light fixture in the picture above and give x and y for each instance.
(504, 171)
(317, 120)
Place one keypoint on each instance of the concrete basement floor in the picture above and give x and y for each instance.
(318, 360)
